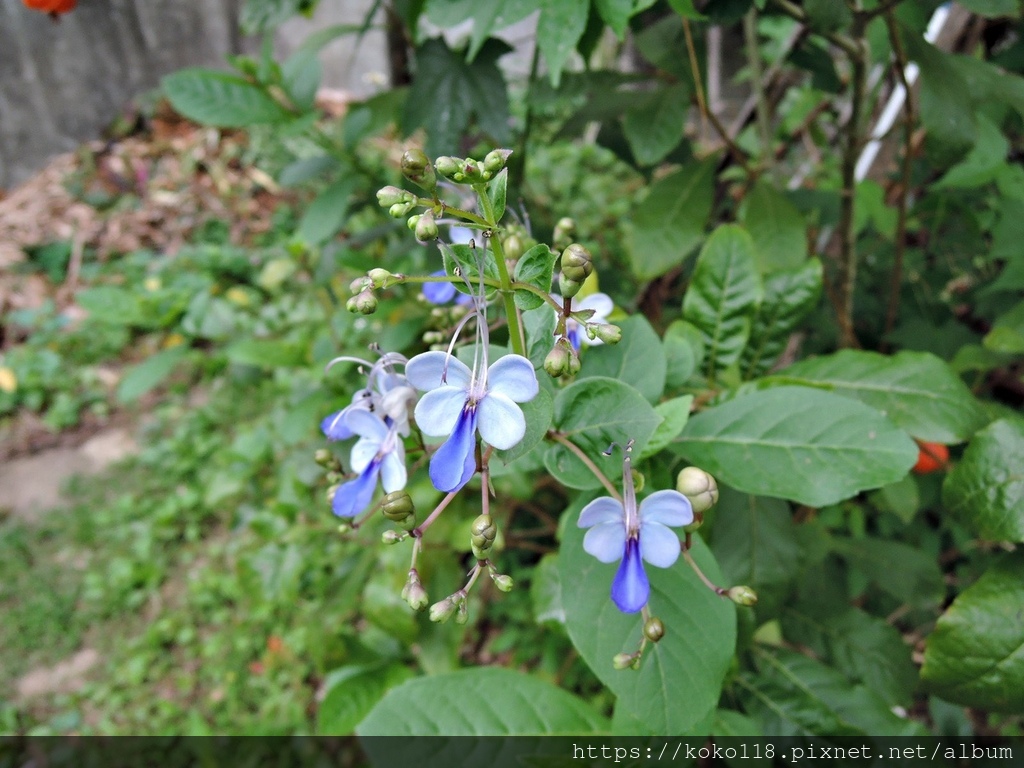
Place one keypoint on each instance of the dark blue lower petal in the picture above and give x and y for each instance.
(631, 589)
(354, 496)
(455, 461)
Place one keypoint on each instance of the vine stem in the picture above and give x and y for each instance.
(561, 439)
(515, 328)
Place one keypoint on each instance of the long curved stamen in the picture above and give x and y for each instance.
(349, 359)
(451, 345)
(483, 332)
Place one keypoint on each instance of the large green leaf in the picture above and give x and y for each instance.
(724, 295)
(789, 296)
(669, 222)
(946, 109)
(797, 443)
(754, 539)
(975, 656)
(986, 488)
(905, 572)
(534, 267)
(488, 16)
(326, 214)
(638, 359)
(447, 92)
(484, 701)
(777, 228)
(221, 99)
(351, 692)
(559, 28)
(680, 678)
(916, 390)
(141, 378)
(655, 128)
(1007, 334)
(593, 414)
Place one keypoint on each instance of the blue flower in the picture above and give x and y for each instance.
(444, 293)
(461, 402)
(379, 453)
(601, 304)
(387, 394)
(618, 530)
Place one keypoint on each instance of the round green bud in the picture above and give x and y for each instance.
(503, 582)
(330, 493)
(654, 629)
(470, 172)
(413, 221)
(378, 276)
(391, 537)
(415, 595)
(606, 332)
(567, 287)
(363, 304)
(513, 247)
(323, 457)
(574, 359)
(360, 284)
(623, 661)
(426, 228)
(699, 487)
(462, 615)
(400, 210)
(495, 160)
(485, 528)
(742, 595)
(564, 231)
(334, 476)
(441, 611)
(344, 528)
(416, 168)
(398, 506)
(447, 166)
(577, 263)
(389, 196)
(557, 361)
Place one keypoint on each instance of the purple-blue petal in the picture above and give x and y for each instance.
(354, 496)
(439, 293)
(454, 463)
(630, 589)
(573, 334)
(334, 426)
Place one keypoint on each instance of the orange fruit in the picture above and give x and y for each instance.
(933, 457)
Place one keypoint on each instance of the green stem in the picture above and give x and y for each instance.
(515, 329)
(558, 437)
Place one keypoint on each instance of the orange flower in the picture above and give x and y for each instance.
(52, 7)
(933, 458)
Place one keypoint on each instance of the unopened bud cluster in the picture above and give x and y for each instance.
(398, 508)
(413, 592)
(470, 171)
(562, 360)
(482, 535)
(702, 491)
(577, 265)
(363, 300)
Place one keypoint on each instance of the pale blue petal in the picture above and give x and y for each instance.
(606, 541)
(366, 424)
(461, 235)
(354, 496)
(604, 509)
(362, 453)
(513, 376)
(500, 421)
(425, 371)
(439, 410)
(631, 589)
(454, 463)
(393, 475)
(659, 545)
(666, 507)
(601, 303)
(334, 427)
(438, 293)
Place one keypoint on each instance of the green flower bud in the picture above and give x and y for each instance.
(413, 221)
(485, 528)
(398, 506)
(390, 196)
(391, 537)
(334, 476)
(567, 287)
(623, 661)
(606, 332)
(400, 210)
(379, 277)
(503, 582)
(323, 457)
(441, 611)
(742, 595)
(433, 337)
(426, 229)
(417, 169)
(463, 613)
(577, 263)
(654, 629)
(513, 247)
(415, 595)
(574, 358)
(557, 361)
(699, 487)
(447, 166)
(360, 284)
(470, 172)
(495, 160)
(331, 491)
(344, 528)
(564, 231)
(363, 304)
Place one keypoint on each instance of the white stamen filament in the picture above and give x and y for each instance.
(629, 495)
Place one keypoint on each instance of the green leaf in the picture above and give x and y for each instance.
(789, 296)
(794, 695)
(496, 193)
(986, 488)
(534, 267)
(754, 540)
(117, 306)
(827, 15)
(485, 701)
(946, 109)
(326, 214)
(916, 390)
(983, 162)
(538, 421)
(685, 9)
(259, 15)
(467, 261)
(1007, 334)
(221, 99)
(559, 29)
(301, 74)
(141, 378)
(864, 647)
(464, 90)
(655, 128)
(777, 229)
(669, 223)
(616, 14)
(488, 16)
(898, 569)
(674, 414)
(305, 169)
(351, 692)
(723, 295)
(266, 353)
(684, 352)
(993, 8)
(680, 678)
(797, 443)
(546, 592)
(539, 325)
(975, 656)
(593, 414)
(640, 349)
